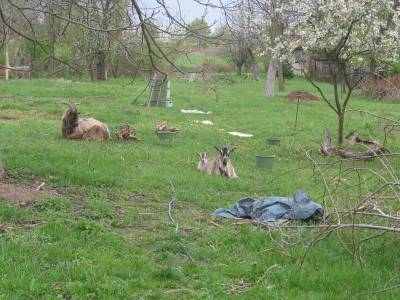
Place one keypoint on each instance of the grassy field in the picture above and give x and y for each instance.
(193, 60)
(102, 231)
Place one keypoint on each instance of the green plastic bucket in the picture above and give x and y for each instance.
(273, 141)
(166, 135)
(265, 161)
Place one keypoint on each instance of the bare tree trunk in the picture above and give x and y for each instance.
(28, 62)
(239, 70)
(6, 60)
(16, 60)
(281, 78)
(256, 71)
(271, 74)
(101, 69)
(91, 69)
(92, 74)
(114, 68)
(50, 61)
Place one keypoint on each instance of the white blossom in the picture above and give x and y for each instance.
(355, 30)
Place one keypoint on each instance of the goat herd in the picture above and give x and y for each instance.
(74, 127)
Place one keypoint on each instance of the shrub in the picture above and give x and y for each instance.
(287, 70)
(394, 69)
(383, 88)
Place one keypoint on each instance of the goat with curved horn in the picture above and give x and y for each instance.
(73, 127)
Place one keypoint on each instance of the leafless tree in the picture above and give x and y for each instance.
(239, 40)
(94, 29)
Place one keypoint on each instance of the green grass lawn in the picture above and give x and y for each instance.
(109, 237)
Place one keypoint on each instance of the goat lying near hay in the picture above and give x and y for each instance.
(73, 127)
(220, 166)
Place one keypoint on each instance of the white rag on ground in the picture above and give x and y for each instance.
(195, 111)
(205, 122)
(240, 134)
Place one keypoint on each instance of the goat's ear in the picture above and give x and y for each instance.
(199, 154)
(232, 150)
(218, 149)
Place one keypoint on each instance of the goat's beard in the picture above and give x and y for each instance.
(223, 169)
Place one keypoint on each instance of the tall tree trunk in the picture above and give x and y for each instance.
(50, 61)
(28, 62)
(256, 71)
(239, 69)
(101, 69)
(114, 68)
(6, 60)
(91, 70)
(16, 57)
(281, 78)
(271, 74)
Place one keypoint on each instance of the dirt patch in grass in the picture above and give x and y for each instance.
(3, 98)
(20, 224)
(144, 226)
(138, 199)
(303, 96)
(7, 118)
(22, 196)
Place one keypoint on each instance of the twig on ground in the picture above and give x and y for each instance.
(339, 226)
(215, 224)
(267, 271)
(171, 218)
(171, 202)
(40, 187)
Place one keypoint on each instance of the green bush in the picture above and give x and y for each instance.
(287, 70)
(394, 69)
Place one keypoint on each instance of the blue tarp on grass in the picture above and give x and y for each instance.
(271, 209)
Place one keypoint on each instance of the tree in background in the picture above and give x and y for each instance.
(233, 45)
(198, 31)
(239, 42)
(269, 22)
(347, 37)
(89, 35)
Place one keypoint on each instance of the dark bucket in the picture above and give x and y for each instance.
(265, 161)
(273, 141)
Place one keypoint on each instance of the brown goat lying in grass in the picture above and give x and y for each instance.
(220, 166)
(73, 127)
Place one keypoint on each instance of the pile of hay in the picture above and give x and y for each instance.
(126, 133)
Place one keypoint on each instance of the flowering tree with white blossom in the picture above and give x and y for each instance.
(347, 36)
(270, 21)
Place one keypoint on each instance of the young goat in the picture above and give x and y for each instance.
(201, 166)
(73, 127)
(219, 166)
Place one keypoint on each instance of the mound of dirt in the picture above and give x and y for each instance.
(303, 96)
(21, 196)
